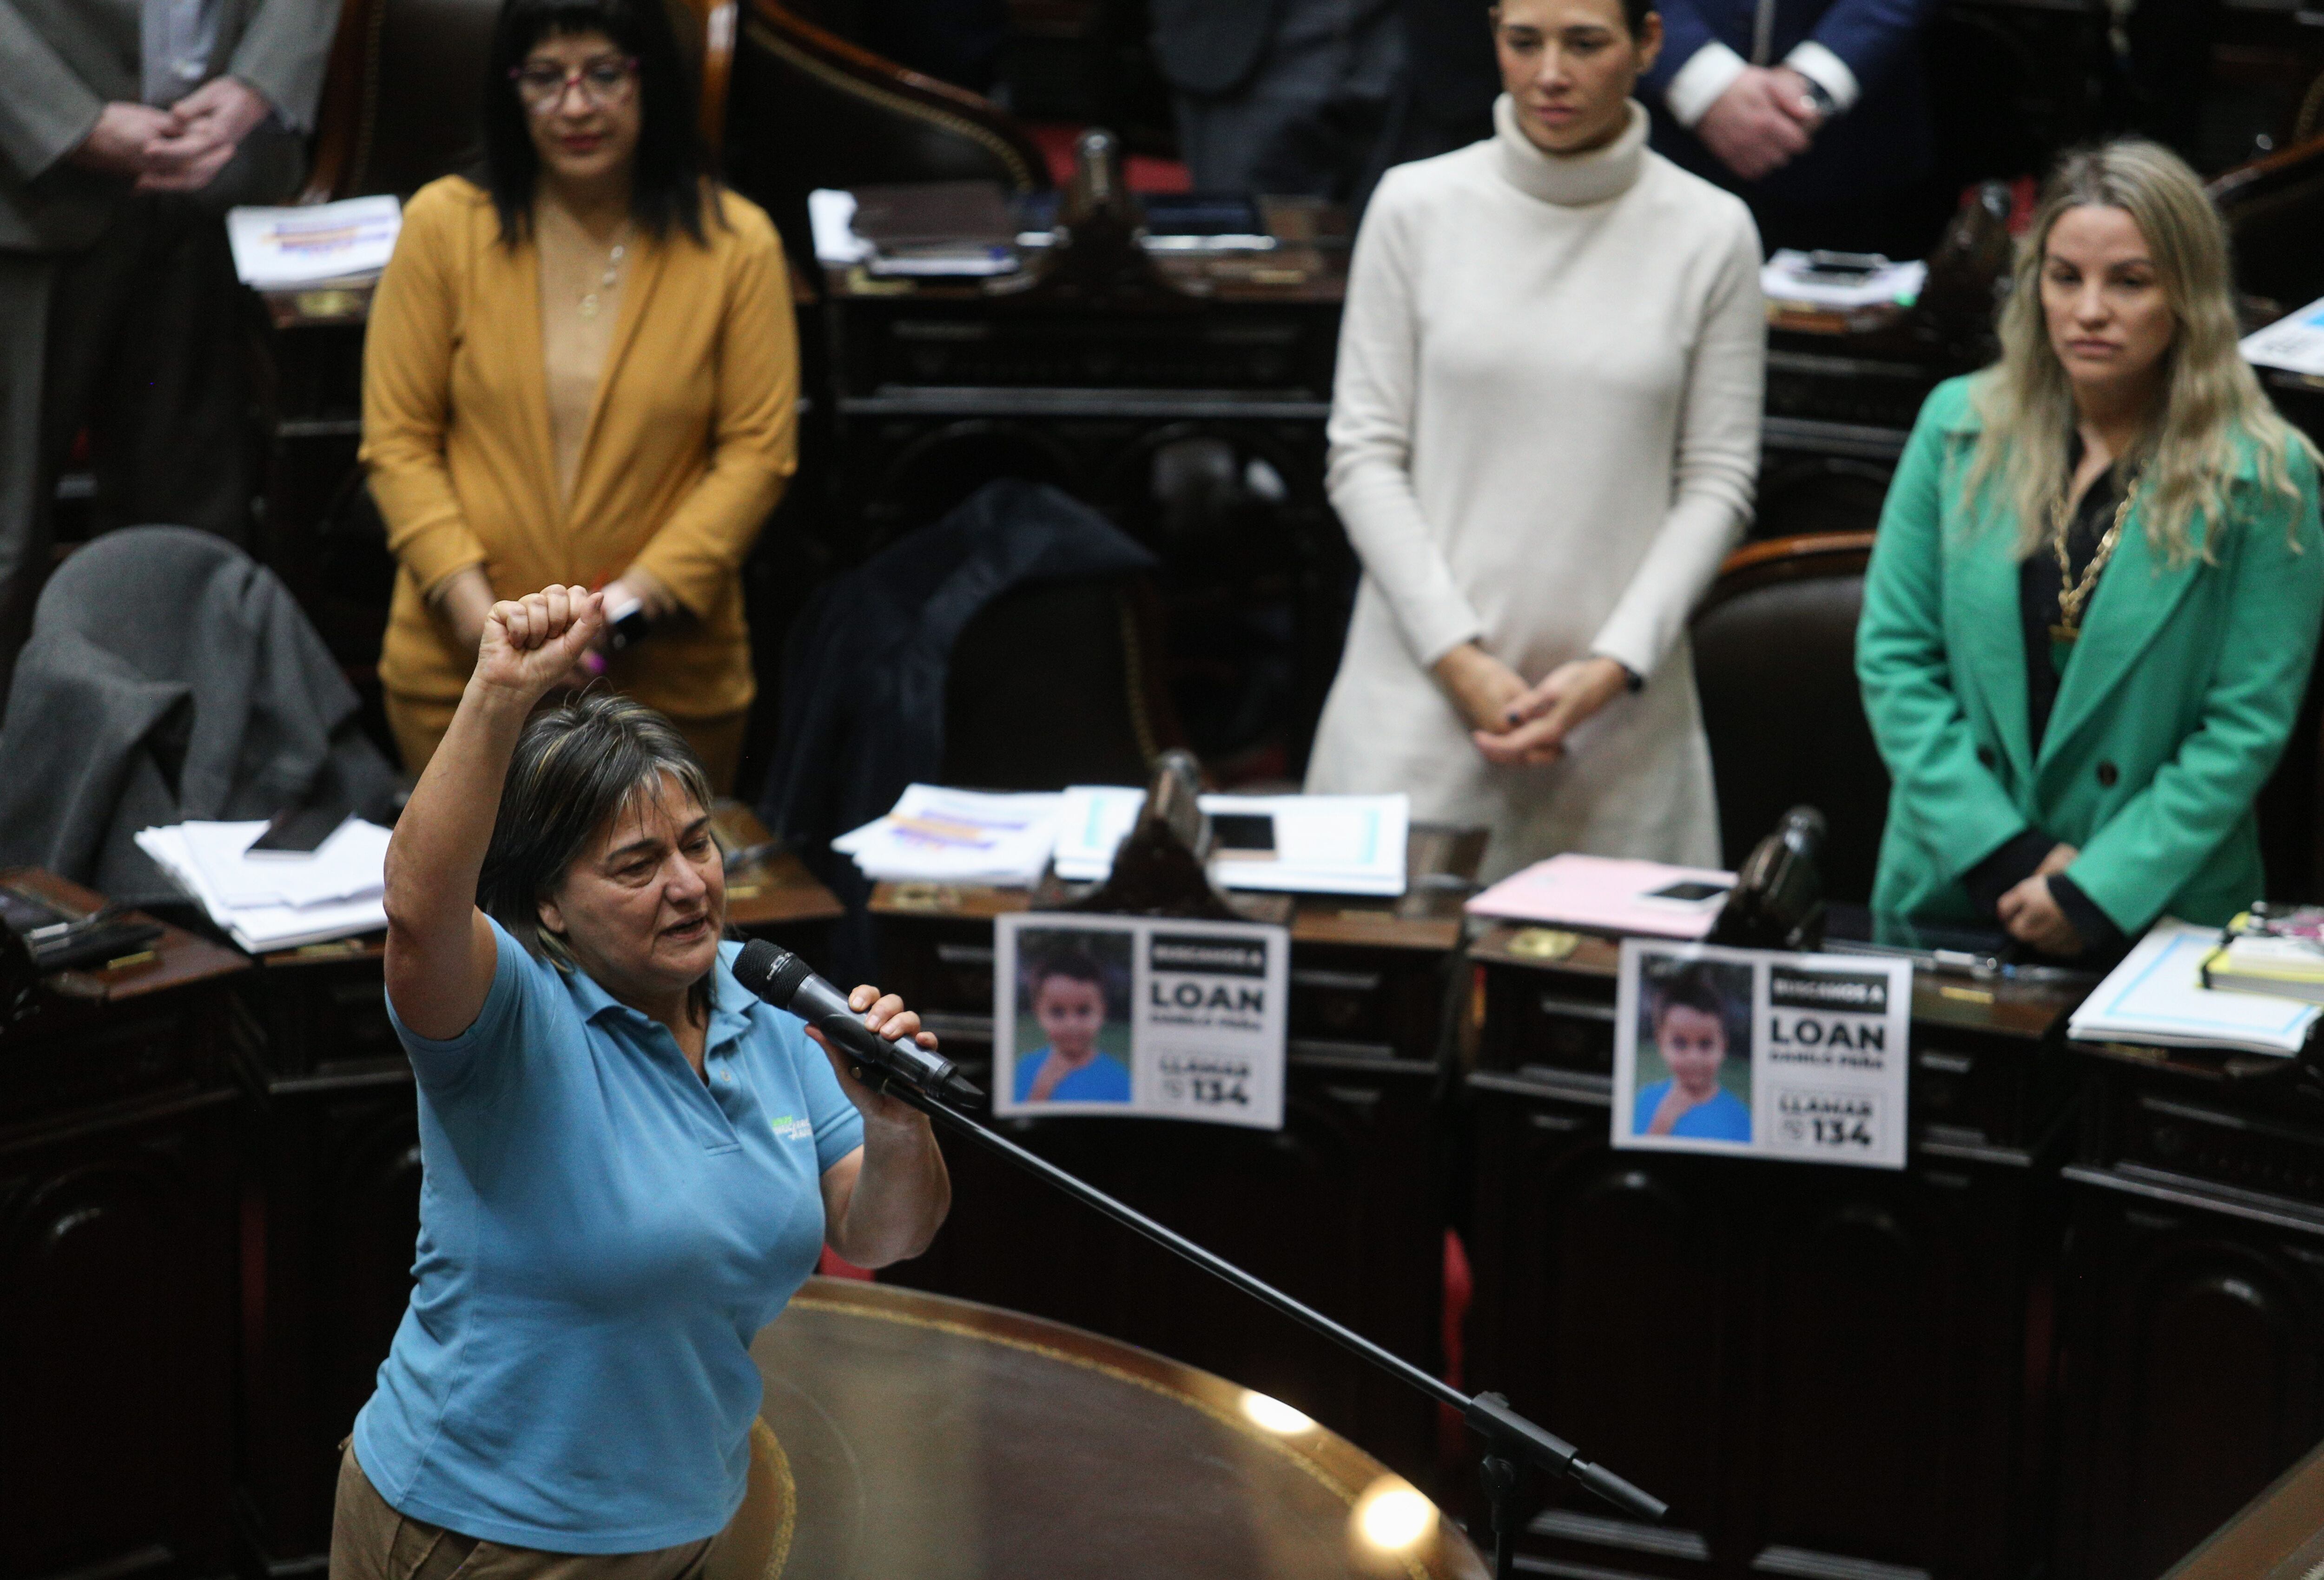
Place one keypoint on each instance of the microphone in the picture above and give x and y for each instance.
(1777, 901)
(789, 982)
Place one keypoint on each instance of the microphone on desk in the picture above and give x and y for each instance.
(1777, 901)
(789, 982)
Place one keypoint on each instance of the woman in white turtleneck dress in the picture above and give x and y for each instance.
(1544, 429)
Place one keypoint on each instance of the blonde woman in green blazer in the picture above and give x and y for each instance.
(2096, 587)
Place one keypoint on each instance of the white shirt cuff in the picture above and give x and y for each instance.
(1827, 70)
(1709, 72)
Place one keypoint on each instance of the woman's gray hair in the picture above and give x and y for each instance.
(576, 770)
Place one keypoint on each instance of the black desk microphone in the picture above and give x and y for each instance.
(788, 982)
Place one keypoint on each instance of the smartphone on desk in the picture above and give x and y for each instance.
(300, 831)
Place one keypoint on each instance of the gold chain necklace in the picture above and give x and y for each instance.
(2073, 595)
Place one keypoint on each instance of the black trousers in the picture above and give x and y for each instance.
(140, 343)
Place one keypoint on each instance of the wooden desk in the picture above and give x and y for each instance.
(2191, 1316)
(933, 1437)
(1827, 1371)
(117, 1212)
(2278, 1535)
(332, 1201)
(1343, 1208)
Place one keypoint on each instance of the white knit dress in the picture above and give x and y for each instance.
(1545, 429)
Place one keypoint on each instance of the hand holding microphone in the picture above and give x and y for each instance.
(788, 982)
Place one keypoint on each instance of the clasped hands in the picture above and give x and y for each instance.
(1765, 120)
(1515, 724)
(2030, 912)
(175, 150)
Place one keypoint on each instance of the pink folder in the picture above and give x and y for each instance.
(1605, 894)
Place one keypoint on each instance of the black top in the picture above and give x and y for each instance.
(2039, 585)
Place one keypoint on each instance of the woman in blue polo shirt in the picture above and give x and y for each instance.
(631, 1162)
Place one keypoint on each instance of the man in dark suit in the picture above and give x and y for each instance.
(1814, 110)
(126, 129)
(1279, 95)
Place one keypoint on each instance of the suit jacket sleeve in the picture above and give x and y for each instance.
(1374, 391)
(1868, 37)
(1685, 30)
(2159, 838)
(47, 110)
(1718, 459)
(282, 55)
(698, 551)
(1946, 802)
(407, 395)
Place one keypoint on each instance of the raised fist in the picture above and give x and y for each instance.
(532, 644)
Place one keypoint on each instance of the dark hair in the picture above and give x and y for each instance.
(575, 768)
(667, 180)
(1073, 964)
(1634, 14)
(1691, 987)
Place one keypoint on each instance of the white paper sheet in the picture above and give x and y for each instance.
(275, 248)
(2157, 995)
(2294, 344)
(1323, 844)
(260, 927)
(936, 835)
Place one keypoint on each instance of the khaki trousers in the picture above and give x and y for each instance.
(370, 1540)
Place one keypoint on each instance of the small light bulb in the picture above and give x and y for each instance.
(1273, 1415)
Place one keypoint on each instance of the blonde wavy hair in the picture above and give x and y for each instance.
(2212, 402)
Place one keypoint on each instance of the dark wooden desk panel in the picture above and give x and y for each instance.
(1825, 1370)
(117, 1196)
(1342, 1209)
(2192, 1311)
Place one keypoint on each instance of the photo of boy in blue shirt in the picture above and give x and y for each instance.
(1690, 1020)
(1068, 998)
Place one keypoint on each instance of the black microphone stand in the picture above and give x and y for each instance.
(1510, 1437)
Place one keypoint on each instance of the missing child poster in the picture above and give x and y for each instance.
(1761, 1053)
(1128, 1015)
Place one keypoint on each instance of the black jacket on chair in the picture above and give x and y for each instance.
(864, 672)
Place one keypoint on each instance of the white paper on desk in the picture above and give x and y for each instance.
(831, 216)
(350, 865)
(2294, 344)
(278, 247)
(1787, 278)
(2157, 995)
(260, 927)
(1323, 844)
(936, 835)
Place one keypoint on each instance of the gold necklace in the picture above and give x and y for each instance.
(2073, 595)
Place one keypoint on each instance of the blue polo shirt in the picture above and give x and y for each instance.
(1725, 1117)
(601, 1236)
(1103, 1080)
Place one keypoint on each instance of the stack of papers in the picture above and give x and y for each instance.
(832, 216)
(268, 902)
(2157, 995)
(1809, 281)
(1301, 844)
(1608, 894)
(2294, 344)
(277, 249)
(936, 835)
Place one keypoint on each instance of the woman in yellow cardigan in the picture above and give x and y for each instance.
(2094, 594)
(582, 372)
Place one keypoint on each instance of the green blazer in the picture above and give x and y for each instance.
(2171, 710)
